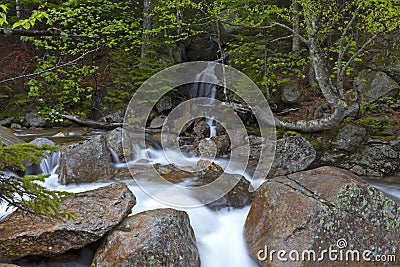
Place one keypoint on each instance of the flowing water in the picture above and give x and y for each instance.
(209, 90)
(219, 234)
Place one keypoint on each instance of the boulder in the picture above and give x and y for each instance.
(85, 162)
(158, 121)
(373, 159)
(239, 196)
(290, 93)
(350, 137)
(372, 85)
(34, 119)
(114, 141)
(8, 138)
(161, 237)
(164, 104)
(321, 209)
(95, 213)
(292, 154)
(117, 116)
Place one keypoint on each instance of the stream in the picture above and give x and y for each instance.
(219, 234)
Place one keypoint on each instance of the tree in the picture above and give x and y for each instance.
(327, 27)
(26, 192)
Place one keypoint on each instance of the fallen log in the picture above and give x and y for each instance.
(102, 125)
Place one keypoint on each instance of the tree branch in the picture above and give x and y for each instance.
(53, 68)
(51, 32)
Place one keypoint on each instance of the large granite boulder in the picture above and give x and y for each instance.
(372, 85)
(350, 137)
(95, 213)
(85, 162)
(292, 154)
(321, 209)
(34, 119)
(161, 237)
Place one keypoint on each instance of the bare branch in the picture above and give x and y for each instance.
(358, 52)
(342, 50)
(268, 27)
(53, 68)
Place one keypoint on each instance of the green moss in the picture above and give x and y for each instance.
(378, 126)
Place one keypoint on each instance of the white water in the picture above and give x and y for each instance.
(207, 90)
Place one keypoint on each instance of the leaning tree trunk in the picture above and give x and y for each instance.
(322, 76)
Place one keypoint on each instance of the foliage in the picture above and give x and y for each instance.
(3, 15)
(26, 192)
(378, 126)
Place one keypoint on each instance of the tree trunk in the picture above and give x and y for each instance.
(18, 9)
(148, 6)
(296, 28)
(323, 124)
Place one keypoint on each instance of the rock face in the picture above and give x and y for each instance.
(34, 119)
(350, 137)
(96, 212)
(321, 209)
(161, 237)
(292, 154)
(372, 85)
(85, 162)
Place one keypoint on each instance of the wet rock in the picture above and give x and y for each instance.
(201, 129)
(7, 121)
(164, 104)
(43, 141)
(15, 126)
(350, 137)
(95, 213)
(114, 141)
(85, 162)
(372, 85)
(223, 144)
(8, 138)
(34, 119)
(239, 196)
(291, 93)
(158, 121)
(292, 154)
(117, 116)
(317, 209)
(375, 159)
(161, 237)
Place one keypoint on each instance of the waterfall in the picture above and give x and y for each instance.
(201, 89)
(50, 164)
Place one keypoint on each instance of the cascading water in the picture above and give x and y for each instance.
(50, 164)
(209, 90)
